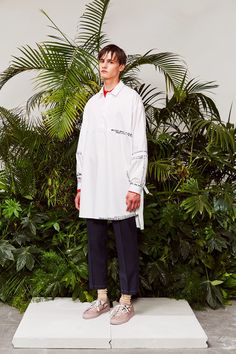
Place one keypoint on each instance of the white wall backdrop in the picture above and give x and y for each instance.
(203, 32)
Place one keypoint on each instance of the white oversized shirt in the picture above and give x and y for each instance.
(112, 155)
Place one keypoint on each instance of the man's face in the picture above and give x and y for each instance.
(109, 67)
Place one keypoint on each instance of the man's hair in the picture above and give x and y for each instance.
(113, 49)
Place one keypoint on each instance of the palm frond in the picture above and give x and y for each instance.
(36, 100)
(189, 186)
(18, 136)
(229, 115)
(63, 70)
(207, 105)
(167, 63)
(91, 37)
(218, 134)
(189, 93)
(66, 107)
(194, 86)
(3, 179)
(23, 173)
(56, 28)
(221, 136)
(149, 95)
(55, 60)
(161, 169)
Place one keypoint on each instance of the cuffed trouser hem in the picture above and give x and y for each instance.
(128, 292)
(96, 287)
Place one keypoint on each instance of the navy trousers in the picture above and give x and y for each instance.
(126, 237)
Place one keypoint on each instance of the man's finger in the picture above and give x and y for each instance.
(128, 206)
(132, 205)
(129, 203)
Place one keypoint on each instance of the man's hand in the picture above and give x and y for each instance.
(77, 200)
(132, 201)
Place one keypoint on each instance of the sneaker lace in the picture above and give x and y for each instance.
(119, 309)
(96, 303)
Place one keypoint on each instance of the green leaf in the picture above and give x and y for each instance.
(208, 260)
(189, 186)
(83, 270)
(185, 248)
(6, 250)
(56, 226)
(24, 259)
(29, 197)
(21, 261)
(230, 281)
(197, 204)
(30, 261)
(11, 208)
(89, 297)
(216, 243)
(28, 223)
(70, 279)
(214, 296)
(216, 282)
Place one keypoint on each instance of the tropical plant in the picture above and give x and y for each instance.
(67, 72)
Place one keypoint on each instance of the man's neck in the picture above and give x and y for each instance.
(110, 84)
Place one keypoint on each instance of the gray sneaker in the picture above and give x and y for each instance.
(121, 313)
(96, 309)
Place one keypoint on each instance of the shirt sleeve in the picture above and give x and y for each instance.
(139, 159)
(80, 149)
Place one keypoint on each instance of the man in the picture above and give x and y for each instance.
(111, 172)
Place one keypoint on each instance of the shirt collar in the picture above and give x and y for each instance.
(116, 89)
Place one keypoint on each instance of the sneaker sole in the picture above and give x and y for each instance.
(119, 323)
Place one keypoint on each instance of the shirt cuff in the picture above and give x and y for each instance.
(134, 192)
(135, 188)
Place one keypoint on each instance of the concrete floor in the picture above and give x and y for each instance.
(219, 325)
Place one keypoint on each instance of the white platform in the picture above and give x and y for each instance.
(58, 324)
(158, 323)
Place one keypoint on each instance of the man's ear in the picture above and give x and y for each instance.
(122, 66)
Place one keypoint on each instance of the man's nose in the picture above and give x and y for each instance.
(104, 64)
